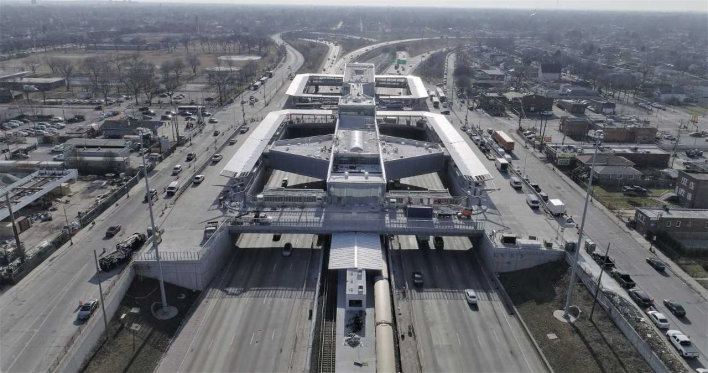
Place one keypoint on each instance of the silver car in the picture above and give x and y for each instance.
(88, 308)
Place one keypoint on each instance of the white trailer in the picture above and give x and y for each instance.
(502, 165)
(556, 206)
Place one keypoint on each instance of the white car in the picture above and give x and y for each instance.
(177, 169)
(57, 119)
(59, 125)
(470, 296)
(59, 157)
(217, 157)
(213, 120)
(198, 179)
(658, 319)
(58, 149)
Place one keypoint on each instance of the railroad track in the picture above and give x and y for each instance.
(327, 359)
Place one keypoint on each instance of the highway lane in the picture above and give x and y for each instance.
(253, 319)
(38, 315)
(629, 254)
(453, 335)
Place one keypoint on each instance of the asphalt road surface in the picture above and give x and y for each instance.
(39, 314)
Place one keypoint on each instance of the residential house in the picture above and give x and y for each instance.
(692, 189)
(549, 72)
(617, 176)
(675, 222)
(586, 160)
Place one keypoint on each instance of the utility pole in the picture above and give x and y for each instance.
(71, 236)
(20, 250)
(100, 289)
(580, 233)
(599, 278)
(155, 234)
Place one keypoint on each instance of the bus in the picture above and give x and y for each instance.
(441, 95)
(436, 102)
(255, 86)
(192, 109)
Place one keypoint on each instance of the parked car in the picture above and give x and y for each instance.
(213, 120)
(87, 309)
(113, 230)
(59, 158)
(658, 319)
(682, 344)
(624, 279)
(675, 307)
(57, 119)
(643, 299)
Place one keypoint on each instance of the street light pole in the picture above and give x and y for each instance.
(100, 289)
(154, 235)
(580, 233)
(71, 236)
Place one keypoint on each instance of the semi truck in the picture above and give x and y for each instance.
(504, 141)
(123, 253)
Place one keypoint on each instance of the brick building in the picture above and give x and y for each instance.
(692, 189)
(652, 221)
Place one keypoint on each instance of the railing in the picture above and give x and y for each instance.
(182, 255)
(359, 224)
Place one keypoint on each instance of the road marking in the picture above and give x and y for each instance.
(495, 335)
(453, 271)
(699, 310)
(467, 268)
(265, 298)
(210, 343)
(252, 336)
(437, 269)
(291, 266)
(272, 336)
(232, 339)
(458, 339)
(56, 301)
(258, 268)
(479, 339)
(275, 266)
(247, 299)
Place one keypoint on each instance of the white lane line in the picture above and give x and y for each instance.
(232, 339)
(699, 310)
(247, 299)
(479, 339)
(210, 343)
(275, 266)
(201, 323)
(291, 266)
(265, 298)
(495, 335)
(36, 330)
(252, 336)
(272, 336)
(453, 271)
(458, 339)
(467, 268)
(437, 269)
(258, 268)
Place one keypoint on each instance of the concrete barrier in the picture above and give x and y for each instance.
(84, 341)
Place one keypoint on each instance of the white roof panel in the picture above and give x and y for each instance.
(466, 161)
(356, 250)
(248, 154)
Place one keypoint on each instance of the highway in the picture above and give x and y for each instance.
(249, 319)
(628, 249)
(38, 314)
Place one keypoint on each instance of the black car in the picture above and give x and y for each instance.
(643, 299)
(536, 187)
(144, 108)
(657, 264)
(113, 230)
(418, 278)
(675, 307)
(216, 133)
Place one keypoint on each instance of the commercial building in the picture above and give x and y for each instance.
(549, 72)
(572, 106)
(638, 133)
(653, 221)
(119, 126)
(530, 103)
(41, 84)
(575, 127)
(692, 189)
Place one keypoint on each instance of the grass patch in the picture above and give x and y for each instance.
(589, 346)
(618, 200)
(128, 350)
(694, 109)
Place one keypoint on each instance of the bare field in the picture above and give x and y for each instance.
(589, 345)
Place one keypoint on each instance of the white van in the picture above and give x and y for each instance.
(172, 188)
(533, 201)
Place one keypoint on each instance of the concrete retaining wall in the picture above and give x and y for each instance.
(87, 337)
(642, 347)
(501, 259)
(192, 274)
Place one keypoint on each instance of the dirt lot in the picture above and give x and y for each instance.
(589, 346)
(129, 350)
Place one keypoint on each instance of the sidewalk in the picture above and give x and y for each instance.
(643, 243)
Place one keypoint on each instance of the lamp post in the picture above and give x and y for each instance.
(155, 233)
(71, 236)
(598, 140)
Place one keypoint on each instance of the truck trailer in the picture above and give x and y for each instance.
(504, 141)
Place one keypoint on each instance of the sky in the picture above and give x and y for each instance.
(616, 5)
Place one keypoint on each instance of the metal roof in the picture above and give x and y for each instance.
(242, 163)
(356, 250)
(466, 161)
(300, 81)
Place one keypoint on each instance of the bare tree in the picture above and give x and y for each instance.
(134, 77)
(223, 82)
(193, 62)
(178, 67)
(33, 63)
(150, 84)
(165, 69)
(93, 68)
(185, 39)
(66, 67)
(106, 80)
(51, 63)
(138, 42)
(171, 85)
